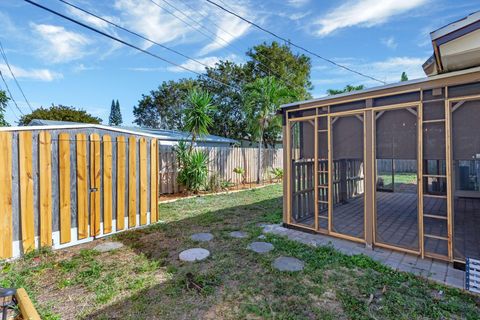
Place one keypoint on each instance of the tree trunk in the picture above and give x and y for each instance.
(260, 159)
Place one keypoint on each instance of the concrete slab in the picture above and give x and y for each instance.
(108, 246)
(288, 264)
(260, 247)
(202, 237)
(194, 254)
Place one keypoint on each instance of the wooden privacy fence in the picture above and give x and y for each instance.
(61, 188)
(222, 162)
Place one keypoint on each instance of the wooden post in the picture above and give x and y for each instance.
(6, 225)
(132, 182)
(45, 188)
(94, 184)
(121, 169)
(26, 190)
(64, 181)
(107, 184)
(82, 186)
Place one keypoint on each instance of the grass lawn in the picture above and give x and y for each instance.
(145, 279)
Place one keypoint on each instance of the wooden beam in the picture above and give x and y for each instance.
(153, 181)
(94, 184)
(143, 181)
(121, 170)
(132, 182)
(27, 309)
(64, 186)
(412, 111)
(457, 105)
(6, 225)
(45, 188)
(107, 184)
(82, 186)
(26, 190)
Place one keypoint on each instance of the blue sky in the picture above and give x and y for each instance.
(58, 62)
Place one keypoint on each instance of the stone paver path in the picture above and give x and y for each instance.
(108, 246)
(194, 254)
(260, 247)
(288, 264)
(262, 236)
(202, 237)
(238, 234)
(441, 272)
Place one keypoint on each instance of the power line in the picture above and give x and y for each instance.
(13, 75)
(11, 109)
(132, 32)
(10, 93)
(293, 44)
(215, 36)
(124, 42)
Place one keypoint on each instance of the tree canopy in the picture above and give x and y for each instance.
(3, 105)
(59, 113)
(404, 76)
(163, 107)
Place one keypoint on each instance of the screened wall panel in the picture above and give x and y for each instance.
(322, 174)
(466, 170)
(396, 196)
(348, 175)
(302, 145)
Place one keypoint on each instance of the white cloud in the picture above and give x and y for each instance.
(297, 3)
(59, 45)
(392, 68)
(365, 13)
(151, 21)
(32, 74)
(91, 20)
(229, 28)
(298, 16)
(390, 42)
(197, 67)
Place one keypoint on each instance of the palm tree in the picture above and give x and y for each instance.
(197, 114)
(263, 98)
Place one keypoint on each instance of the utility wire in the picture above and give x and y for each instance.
(11, 109)
(125, 42)
(10, 93)
(132, 32)
(13, 76)
(293, 44)
(215, 36)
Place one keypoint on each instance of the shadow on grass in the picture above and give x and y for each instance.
(191, 290)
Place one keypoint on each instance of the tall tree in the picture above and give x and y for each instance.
(3, 105)
(263, 98)
(59, 113)
(404, 76)
(348, 88)
(115, 118)
(198, 114)
(163, 108)
(293, 70)
(229, 117)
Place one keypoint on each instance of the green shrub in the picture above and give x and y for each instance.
(277, 173)
(193, 171)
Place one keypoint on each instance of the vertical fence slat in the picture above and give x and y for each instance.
(82, 187)
(121, 167)
(26, 190)
(45, 175)
(94, 184)
(64, 186)
(153, 181)
(6, 226)
(143, 181)
(107, 184)
(132, 182)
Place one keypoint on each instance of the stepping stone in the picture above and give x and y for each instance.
(260, 247)
(108, 246)
(288, 264)
(262, 236)
(202, 237)
(262, 224)
(194, 254)
(238, 234)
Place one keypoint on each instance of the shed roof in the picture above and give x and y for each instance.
(161, 134)
(397, 85)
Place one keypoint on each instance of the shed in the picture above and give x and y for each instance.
(395, 166)
(165, 137)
